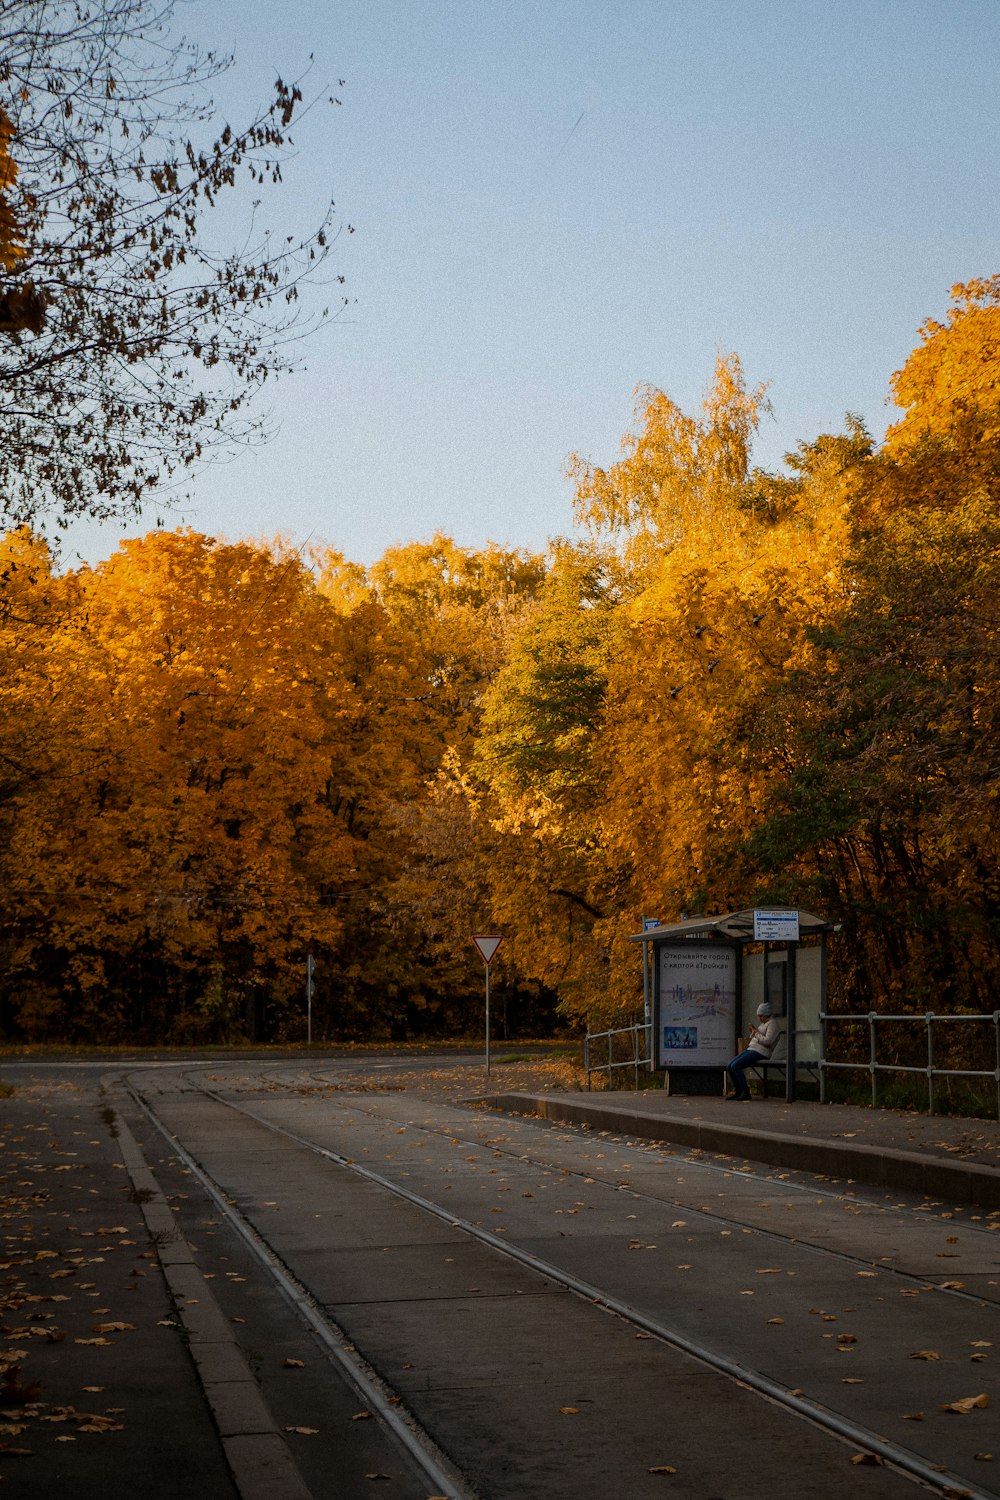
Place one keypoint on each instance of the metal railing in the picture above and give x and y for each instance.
(639, 1046)
(638, 1051)
(929, 1070)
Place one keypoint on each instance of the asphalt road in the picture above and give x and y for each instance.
(455, 1251)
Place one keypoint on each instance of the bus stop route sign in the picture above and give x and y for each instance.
(487, 947)
(776, 926)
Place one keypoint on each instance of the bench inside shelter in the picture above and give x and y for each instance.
(778, 1063)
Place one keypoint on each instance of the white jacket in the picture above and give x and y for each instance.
(764, 1036)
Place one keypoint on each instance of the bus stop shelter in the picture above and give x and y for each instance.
(703, 979)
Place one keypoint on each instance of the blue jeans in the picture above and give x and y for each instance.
(735, 1071)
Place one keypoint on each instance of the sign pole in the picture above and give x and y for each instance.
(309, 1000)
(487, 945)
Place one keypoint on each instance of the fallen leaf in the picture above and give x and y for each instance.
(967, 1404)
(852, 1380)
(775, 1320)
(846, 1338)
(952, 1286)
(569, 1411)
(101, 1343)
(866, 1458)
(293, 1364)
(113, 1327)
(303, 1431)
(662, 1469)
(378, 1475)
(984, 1458)
(913, 1416)
(925, 1354)
(361, 1416)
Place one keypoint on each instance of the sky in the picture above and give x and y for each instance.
(556, 201)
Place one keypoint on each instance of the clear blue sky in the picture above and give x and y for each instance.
(795, 180)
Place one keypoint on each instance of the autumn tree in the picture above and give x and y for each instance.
(11, 244)
(427, 629)
(171, 861)
(154, 339)
(891, 808)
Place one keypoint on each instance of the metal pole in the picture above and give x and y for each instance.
(871, 1056)
(309, 1000)
(996, 1023)
(487, 1020)
(790, 1038)
(823, 1028)
(930, 1063)
(646, 1012)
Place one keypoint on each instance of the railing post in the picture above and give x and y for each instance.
(610, 1052)
(871, 1056)
(586, 1059)
(930, 1063)
(996, 1023)
(823, 1033)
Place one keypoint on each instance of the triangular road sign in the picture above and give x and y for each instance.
(487, 947)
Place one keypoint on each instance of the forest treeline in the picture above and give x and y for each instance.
(740, 688)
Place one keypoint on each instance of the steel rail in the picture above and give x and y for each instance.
(942, 1481)
(647, 1146)
(441, 1474)
(706, 1213)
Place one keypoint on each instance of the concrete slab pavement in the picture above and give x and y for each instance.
(946, 1157)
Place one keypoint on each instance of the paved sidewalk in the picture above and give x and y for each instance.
(943, 1156)
(98, 1391)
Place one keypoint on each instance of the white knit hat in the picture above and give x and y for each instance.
(764, 1008)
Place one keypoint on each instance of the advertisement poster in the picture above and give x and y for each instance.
(697, 1013)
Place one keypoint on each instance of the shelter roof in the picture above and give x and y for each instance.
(734, 927)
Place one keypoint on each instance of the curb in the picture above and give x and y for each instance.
(886, 1167)
(259, 1460)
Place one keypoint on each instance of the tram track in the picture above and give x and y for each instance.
(368, 1385)
(733, 1222)
(902, 1459)
(704, 1162)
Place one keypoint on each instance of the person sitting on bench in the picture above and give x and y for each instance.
(763, 1040)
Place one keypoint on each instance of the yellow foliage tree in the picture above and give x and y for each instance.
(188, 829)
